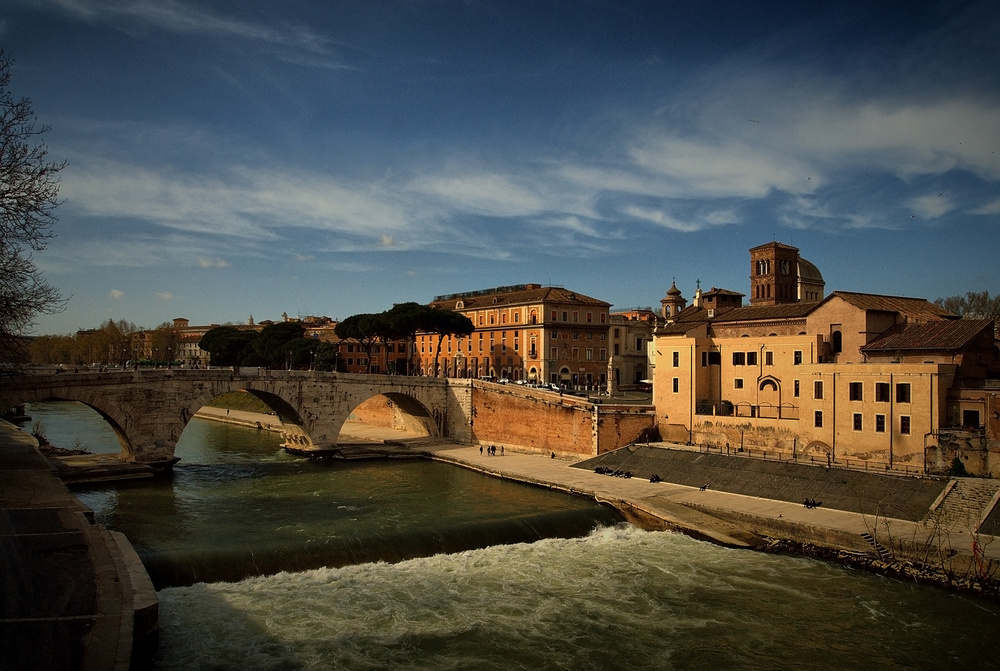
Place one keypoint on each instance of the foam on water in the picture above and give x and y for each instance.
(619, 598)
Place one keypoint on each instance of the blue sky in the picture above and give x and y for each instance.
(250, 157)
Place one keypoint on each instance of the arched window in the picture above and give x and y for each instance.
(837, 340)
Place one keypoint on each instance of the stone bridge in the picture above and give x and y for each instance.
(148, 409)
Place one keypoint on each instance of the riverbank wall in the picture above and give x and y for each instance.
(75, 594)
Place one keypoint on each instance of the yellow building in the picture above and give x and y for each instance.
(523, 332)
(853, 377)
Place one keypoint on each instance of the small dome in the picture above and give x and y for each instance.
(808, 271)
(673, 290)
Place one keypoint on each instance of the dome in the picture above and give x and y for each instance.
(808, 271)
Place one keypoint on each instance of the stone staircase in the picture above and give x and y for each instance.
(964, 503)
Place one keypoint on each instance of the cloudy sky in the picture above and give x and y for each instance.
(250, 157)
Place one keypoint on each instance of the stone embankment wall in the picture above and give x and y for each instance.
(552, 422)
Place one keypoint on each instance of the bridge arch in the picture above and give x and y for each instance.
(149, 409)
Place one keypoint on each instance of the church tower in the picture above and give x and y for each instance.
(774, 274)
(672, 303)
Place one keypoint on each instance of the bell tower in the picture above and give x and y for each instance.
(774, 270)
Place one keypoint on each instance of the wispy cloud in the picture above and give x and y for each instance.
(164, 295)
(183, 17)
(213, 263)
(116, 294)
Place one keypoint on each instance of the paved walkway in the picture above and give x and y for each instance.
(731, 519)
(71, 590)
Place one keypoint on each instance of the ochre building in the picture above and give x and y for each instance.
(895, 382)
(523, 332)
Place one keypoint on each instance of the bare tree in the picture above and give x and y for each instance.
(29, 189)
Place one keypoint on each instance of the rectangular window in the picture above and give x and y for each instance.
(818, 419)
(739, 358)
(904, 424)
(576, 354)
(590, 317)
(555, 316)
(818, 389)
(797, 357)
(796, 390)
(903, 392)
(879, 423)
(677, 384)
(738, 383)
(857, 421)
(590, 354)
(554, 353)
(882, 392)
(604, 355)
(857, 391)
(618, 333)
(638, 344)
(677, 359)
(715, 358)
(768, 358)
(565, 316)
(576, 316)
(704, 359)
(751, 358)
(617, 349)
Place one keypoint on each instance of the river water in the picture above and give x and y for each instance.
(418, 565)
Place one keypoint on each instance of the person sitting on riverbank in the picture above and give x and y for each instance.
(703, 487)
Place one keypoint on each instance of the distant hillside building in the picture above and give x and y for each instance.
(893, 381)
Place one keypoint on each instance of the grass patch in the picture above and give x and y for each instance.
(240, 400)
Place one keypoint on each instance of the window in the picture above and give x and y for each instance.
(796, 392)
(618, 333)
(677, 359)
(590, 317)
(590, 354)
(882, 392)
(768, 358)
(856, 391)
(739, 359)
(797, 357)
(638, 344)
(565, 316)
(738, 383)
(576, 316)
(617, 349)
(904, 424)
(555, 315)
(879, 423)
(818, 419)
(714, 358)
(818, 389)
(857, 421)
(837, 341)
(751, 358)
(604, 354)
(604, 317)
(555, 334)
(903, 392)
(554, 353)
(677, 384)
(704, 359)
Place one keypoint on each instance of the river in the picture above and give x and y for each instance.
(419, 565)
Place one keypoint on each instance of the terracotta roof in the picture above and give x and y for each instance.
(765, 312)
(914, 308)
(940, 335)
(517, 297)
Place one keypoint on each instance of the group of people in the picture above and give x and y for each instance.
(604, 470)
(811, 503)
(491, 450)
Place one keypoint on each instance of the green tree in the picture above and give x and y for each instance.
(364, 328)
(327, 357)
(226, 344)
(29, 189)
(447, 322)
